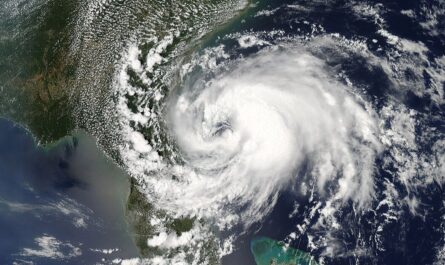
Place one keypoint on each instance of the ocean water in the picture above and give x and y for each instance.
(66, 200)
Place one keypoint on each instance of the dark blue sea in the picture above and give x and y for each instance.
(66, 200)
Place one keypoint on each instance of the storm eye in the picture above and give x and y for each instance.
(221, 128)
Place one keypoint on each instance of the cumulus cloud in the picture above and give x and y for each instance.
(247, 132)
(50, 247)
(67, 207)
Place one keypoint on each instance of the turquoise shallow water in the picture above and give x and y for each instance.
(267, 251)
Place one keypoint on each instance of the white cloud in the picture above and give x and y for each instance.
(50, 247)
(266, 12)
(170, 240)
(65, 206)
(247, 132)
(80, 222)
(243, 134)
(247, 41)
(105, 251)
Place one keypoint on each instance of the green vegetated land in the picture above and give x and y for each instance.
(40, 76)
(35, 66)
(267, 251)
(140, 212)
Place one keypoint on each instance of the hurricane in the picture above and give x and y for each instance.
(246, 122)
(246, 132)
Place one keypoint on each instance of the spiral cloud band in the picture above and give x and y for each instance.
(246, 132)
